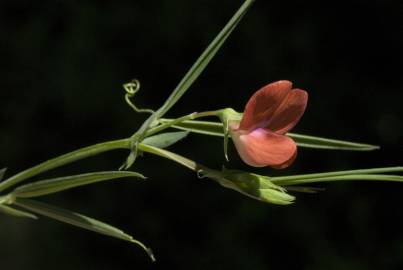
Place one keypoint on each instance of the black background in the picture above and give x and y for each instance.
(62, 67)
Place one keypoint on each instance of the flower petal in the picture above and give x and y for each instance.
(263, 104)
(289, 112)
(262, 147)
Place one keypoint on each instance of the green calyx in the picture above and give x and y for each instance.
(228, 116)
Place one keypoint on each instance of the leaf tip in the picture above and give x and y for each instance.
(149, 251)
(2, 172)
(151, 254)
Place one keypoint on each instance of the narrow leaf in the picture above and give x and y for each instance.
(15, 212)
(349, 177)
(2, 172)
(165, 140)
(201, 63)
(304, 189)
(280, 180)
(216, 129)
(193, 73)
(58, 184)
(65, 159)
(331, 144)
(78, 220)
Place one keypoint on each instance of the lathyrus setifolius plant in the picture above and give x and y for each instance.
(260, 134)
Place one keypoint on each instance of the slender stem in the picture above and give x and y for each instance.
(190, 164)
(163, 126)
(65, 159)
(179, 120)
(90, 151)
(208, 113)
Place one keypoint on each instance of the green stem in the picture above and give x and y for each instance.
(208, 113)
(65, 159)
(190, 164)
(91, 151)
(179, 120)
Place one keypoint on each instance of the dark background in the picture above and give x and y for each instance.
(62, 67)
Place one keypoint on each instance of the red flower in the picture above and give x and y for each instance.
(269, 114)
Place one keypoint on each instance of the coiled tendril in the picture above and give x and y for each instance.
(131, 89)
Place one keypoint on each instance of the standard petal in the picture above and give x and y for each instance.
(263, 104)
(289, 112)
(262, 147)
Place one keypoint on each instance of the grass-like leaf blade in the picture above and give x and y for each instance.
(58, 184)
(8, 210)
(63, 160)
(349, 177)
(201, 63)
(194, 72)
(374, 174)
(330, 144)
(77, 220)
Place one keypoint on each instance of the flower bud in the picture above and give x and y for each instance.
(252, 185)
